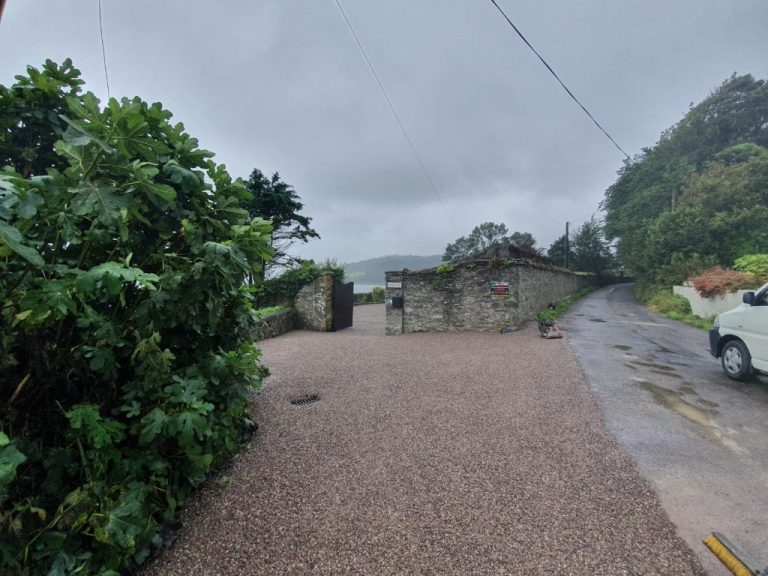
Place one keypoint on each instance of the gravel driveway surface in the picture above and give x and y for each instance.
(453, 453)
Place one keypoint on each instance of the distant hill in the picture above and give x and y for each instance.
(372, 271)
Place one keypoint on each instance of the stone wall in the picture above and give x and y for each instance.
(314, 304)
(275, 324)
(394, 315)
(484, 295)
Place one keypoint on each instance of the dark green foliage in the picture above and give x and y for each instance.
(590, 250)
(722, 212)
(524, 240)
(125, 358)
(276, 201)
(485, 236)
(282, 290)
(701, 193)
(557, 252)
(376, 296)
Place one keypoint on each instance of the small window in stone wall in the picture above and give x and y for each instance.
(499, 290)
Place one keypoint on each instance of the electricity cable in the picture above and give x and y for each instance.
(395, 114)
(582, 217)
(103, 51)
(523, 38)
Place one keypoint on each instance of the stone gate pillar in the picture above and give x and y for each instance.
(394, 299)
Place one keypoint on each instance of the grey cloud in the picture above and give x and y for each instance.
(280, 85)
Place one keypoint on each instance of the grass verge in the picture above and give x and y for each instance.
(664, 303)
(560, 307)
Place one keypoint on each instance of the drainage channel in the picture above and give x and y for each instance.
(306, 400)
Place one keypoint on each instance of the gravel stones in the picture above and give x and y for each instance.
(439, 453)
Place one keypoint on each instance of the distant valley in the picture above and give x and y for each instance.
(372, 271)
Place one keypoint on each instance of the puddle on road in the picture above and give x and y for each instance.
(674, 401)
(663, 367)
(666, 373)
(686, 389)
(622, 347)
(664, 350)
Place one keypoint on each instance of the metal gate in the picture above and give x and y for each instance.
(343, 304)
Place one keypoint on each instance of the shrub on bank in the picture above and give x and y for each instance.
(718, 281)
(375, 296)
(282, 290)
(755, 264)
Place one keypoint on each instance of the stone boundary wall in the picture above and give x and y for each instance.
(314, 304)
(275, 324)
(462, 298)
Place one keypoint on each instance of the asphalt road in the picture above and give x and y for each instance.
(697, 436)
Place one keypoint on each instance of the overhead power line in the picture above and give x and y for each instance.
(396, 115)
(523, 38)
(103, 51)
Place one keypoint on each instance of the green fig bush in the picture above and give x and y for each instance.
(126, 363)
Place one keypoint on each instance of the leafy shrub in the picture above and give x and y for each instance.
(378, 294)
(363, 298)
(375, 296)
(282, 290)
(665, 302)
(680, 268)
(718, 281)
(125, 357)
(756, 264)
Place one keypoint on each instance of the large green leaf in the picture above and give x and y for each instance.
(98, 200)
(152, 425)
(12, 238)
(113, 275)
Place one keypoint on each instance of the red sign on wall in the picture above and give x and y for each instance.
(500, 289)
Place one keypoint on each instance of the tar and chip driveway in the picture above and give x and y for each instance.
(697, 436)
(459, 453)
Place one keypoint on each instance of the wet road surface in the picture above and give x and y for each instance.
(699, 437)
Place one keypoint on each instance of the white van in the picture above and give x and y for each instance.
(740, 336)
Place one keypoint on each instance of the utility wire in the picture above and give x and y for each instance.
(583, 217)
(395, 114)
(103, 51)
(515, 28)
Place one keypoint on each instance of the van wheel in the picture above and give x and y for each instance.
(737, 363)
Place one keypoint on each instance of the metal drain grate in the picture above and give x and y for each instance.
(305, 400)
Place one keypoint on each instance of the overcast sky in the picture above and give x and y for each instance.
(281, 86)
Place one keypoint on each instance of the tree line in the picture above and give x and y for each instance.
(586, 250)
(699, 196)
